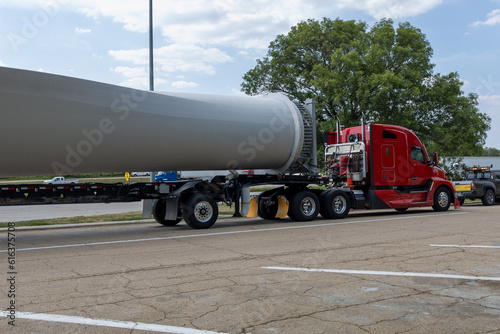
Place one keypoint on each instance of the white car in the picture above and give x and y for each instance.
(139, 174)
(59, 180)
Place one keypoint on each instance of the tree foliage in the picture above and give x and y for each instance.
(382, 72)
(491, 152)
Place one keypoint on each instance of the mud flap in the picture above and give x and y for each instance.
(249, 209)
(147, 208)
(283, 205)
(456, 204)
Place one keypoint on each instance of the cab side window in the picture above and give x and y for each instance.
(417, 154)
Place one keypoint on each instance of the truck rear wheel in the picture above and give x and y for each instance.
(488, 198)
(442, 199)
(304, 206)
(200, 211)
(334, 204)
(159, 210)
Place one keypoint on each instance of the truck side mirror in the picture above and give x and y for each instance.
(435, 158)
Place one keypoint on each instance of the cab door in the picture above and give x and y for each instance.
(419, 170)
(390, 161)
(496, 181)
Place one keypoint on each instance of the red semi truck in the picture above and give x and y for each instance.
(388, 167)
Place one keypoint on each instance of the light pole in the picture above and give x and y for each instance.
(151, 64)
(151, 67)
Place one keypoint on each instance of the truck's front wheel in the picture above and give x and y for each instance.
(200, 211)
(488, 198)
(442, 199)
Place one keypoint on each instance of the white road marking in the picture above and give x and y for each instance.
(387, 273)
(464, 246)
(405, 217)
(107, 323)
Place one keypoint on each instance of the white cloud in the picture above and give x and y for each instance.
(490, 104)
(237, 91)
(82, 30)
(235, 23)
(184, 84)
(175, 58)
(493, 18)
(131, 72)
(393, 8)
(2, 63)
(466, 83)
(137, 77)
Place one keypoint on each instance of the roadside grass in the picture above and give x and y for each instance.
(136, 215)
(80, 219)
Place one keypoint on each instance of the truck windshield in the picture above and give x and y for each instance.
(473, 176)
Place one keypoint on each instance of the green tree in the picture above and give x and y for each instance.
(383, 72)
(491, 152)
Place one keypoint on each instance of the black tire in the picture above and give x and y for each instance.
(488, 198)
(159, 210)
(335, 204)
(461, 201)
(267, 211)
(304, 206)
(401, 209)
(322, 203)
(200, 211)
(442, 199)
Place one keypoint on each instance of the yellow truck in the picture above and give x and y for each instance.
(479, 183)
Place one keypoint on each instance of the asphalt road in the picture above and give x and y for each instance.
(373, 272)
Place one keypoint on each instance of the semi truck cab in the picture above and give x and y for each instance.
(395, 170)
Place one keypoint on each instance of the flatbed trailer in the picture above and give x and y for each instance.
(31, 194)
(161, 194)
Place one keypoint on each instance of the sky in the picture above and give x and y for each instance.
(206, 46)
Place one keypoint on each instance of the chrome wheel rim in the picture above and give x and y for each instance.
(339, 204)
(443, 199)
(308, 206)
(203, 211)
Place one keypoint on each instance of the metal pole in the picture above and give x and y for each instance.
(151, 64)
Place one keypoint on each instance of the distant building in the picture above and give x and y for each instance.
(475, 161)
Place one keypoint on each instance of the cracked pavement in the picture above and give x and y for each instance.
(218, 283)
